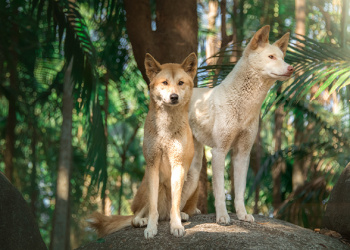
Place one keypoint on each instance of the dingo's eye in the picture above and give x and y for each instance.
(181, 83)
(271, 57)
(165, 83)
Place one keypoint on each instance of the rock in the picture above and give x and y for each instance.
(203, 233)
(337, 215)
(18, 229)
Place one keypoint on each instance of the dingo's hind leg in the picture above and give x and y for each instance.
(191, 184)
(139, 219)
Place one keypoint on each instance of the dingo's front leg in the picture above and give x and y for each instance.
(153, 187)
(177, 180)
(241, 164)
(218, 162)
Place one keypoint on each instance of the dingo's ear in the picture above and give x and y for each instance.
(282, 43)
(152, 67)
(260, 38)
(190, 65)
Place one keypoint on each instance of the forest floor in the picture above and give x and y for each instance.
(203, 233)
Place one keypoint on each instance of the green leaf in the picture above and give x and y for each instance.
(340, 81)
(329, 81)
(100, 240)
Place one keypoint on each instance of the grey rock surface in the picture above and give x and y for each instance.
(203, 233)
(337, 215)
(18, 228)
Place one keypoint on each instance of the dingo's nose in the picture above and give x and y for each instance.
(174, 98)
(290, 68)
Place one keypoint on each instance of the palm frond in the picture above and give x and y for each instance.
(305, 206)
(212, 75)
(70, 29)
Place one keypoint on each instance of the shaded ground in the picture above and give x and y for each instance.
(203, 233)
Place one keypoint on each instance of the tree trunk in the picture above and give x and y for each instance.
(300, 17)
(121, 183)
(344, 25)
(277, 167)
(33, 184)
(300, 29)
(255, 157)
(11, 119)
(61, 216)
(10, 137)
(232, 177)
(106, 204)
(225, 39)
(211, 47)
(175, 34)
(203, 187)
(123, 161)
(297, 176)
(237, 26)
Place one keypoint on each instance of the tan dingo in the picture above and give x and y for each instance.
(168, 150)
(227, 117)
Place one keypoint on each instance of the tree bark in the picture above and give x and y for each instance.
(344, 25)
(10, 138)
(106, 204)
(61, 216)
(277, 167)
(175, 35)
(122, 169)
(203, 187)
(300, 29)
(225, 39)
(237, 24)
(211, 47)
(11, 119)
(297, 175)
(232, 177)
(33, 184)
(300, 17)
(255, 157)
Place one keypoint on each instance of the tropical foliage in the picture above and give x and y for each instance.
(39, 39)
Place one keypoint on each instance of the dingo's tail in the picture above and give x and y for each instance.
(108, 224)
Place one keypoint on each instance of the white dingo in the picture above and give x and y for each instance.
(227, 117)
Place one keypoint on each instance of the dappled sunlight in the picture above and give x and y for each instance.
(214, 228)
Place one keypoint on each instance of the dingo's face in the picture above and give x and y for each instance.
(269, 59)
(171, 84)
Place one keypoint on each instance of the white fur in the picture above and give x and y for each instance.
(227, 117)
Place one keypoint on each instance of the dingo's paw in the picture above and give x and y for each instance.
(177, 231)
(150, 232)
(197, 211)
(246, 217)
(140, 222)
(184, 216)
(223, 219)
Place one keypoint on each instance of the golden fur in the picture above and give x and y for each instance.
(168, 150)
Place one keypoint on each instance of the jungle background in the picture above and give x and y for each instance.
(74, 96)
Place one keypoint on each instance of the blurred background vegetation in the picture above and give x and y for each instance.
(73, 100)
